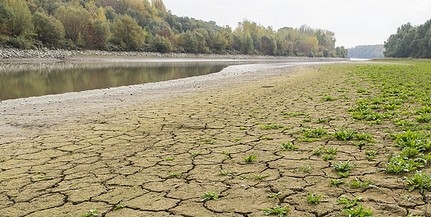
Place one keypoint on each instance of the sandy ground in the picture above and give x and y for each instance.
(28, 115)
(158, 149)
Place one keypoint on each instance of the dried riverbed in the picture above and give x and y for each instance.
(158, 149)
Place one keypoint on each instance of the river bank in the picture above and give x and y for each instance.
(235, 143)
(16, 55)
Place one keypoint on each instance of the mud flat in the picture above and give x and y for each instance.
(200, 146)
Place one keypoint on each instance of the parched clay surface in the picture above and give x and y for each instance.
(156, 149)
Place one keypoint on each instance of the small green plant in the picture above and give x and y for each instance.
(398, 164)
(277, 211)
(337, 182)
(173, 175)
(195, 154)
(345, 135)
(275, 195)
(209, 141)
(313, 199)
(119, 206)
(226, 173)
(357, 183)
(327, 157)
(318, 151)
(328, 153)
(227, 154)
(293, 114)
(328, 98)
(91, 213)
(358, 211)
(343, 168)
(348, 203)
(371, 154)
(289, 146)
(420, 181)
(259, 177)
(250, 158)
(271, 127)
(314, 133)
(169, 158)
(209, 196)
(306, 169)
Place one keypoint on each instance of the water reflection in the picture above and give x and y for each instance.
(20, 81)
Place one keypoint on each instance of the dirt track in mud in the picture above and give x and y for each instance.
(160, 157)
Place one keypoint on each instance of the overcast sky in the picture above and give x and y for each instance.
(354, 22)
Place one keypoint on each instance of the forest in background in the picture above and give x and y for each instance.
(410, 41)
(366, 51)
(143, 25)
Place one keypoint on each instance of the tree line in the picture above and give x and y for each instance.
(366, 51)
(410, 41)
(143, 25)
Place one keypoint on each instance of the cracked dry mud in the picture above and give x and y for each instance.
(159, 158)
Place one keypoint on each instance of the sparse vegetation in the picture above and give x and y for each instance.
(91, 213)
(313, 199)
(209, 196)
(250, 158)
(277, 211)
(289, 146)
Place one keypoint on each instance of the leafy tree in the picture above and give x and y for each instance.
(76, 21)
(127, 33)
(48, 29)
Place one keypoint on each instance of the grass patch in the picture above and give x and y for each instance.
(209, 196)
(313, 199)
(277, 211)
(289, 146)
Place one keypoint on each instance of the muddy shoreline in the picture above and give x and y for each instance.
(33, 115)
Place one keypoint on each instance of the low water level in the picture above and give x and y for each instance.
(21, 81)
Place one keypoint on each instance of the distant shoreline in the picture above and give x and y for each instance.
(11, 55)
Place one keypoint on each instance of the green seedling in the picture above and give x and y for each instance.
(119, 206)
(358, 211)
(319, 151)
(250, 158)
(169, 158)
(347, 203)
(397, 164)
(327, 157)
(277, 211)
(315, 133)
(366, 137)
(91, 213)
(293, 114)
(306, 169)
(226, 173)
(345, 135)
(359, 184)
(313, 199)
(271, 127)
(371, 154)
(328, 98)
(209, 141)
(343, 168)
(289, 146)
(259, 177)
(173, 175)
(275, 195)
(195, 154)
(337, 182)
(209, 196)
(420, 180)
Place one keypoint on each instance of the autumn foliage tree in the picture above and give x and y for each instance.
(147, 25)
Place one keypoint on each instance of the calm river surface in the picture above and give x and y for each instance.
(27, 80)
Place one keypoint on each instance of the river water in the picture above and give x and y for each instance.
(27, 80)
